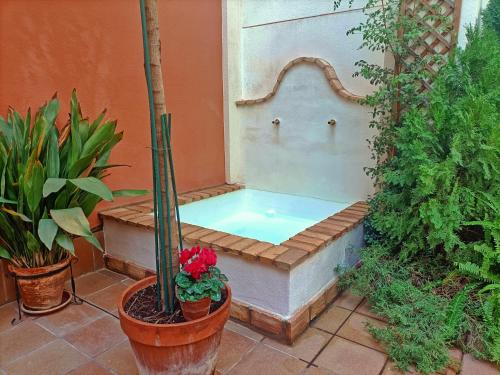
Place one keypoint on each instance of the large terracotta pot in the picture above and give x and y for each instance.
(42, 288)
(187, 348)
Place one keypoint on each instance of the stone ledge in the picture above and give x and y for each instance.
(328, 71)
(286, 256)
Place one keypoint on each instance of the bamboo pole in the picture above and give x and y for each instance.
(168, 257)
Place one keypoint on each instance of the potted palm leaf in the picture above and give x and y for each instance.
(174, 320)
(50, 182)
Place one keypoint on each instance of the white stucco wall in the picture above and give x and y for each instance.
(470, 12)
(266, 287)
(304, 155)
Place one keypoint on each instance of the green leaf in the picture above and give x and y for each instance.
(31, 242)
(93, 186)
(17, 214)
(65, 242)
(4, 253)
(51, 110)
(8, 201)
(80, 166)
(72, 220)
(129, 193)
(94, 241)
(47, 231)
(53, 185)
(34, 186)
(52, 162)
(101, 136)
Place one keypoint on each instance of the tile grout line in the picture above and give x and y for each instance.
(337, 330)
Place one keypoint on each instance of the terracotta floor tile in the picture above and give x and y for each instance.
(128, 281)
(316, 371)
(92, 282)
(91, 368)
(242, 330)
(364, 309)
(355, 329)
(472, 366)
(347, 358)
(55, 358)
(70, 318)
(97, 337)
(7, 313)
(347, 300)
(22, 339)
(113, 274)
(331, 319)
(266, 361)
(305, 347)
(107, 298)
(119, 359)
(233, 348)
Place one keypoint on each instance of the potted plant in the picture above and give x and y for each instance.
(50, 182)
(199, 283)
(186, 339)
(166, 338)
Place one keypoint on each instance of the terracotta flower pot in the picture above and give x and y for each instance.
(42, 288)
(196, 310)
(174, 349)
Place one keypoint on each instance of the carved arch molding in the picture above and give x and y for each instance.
(324, 65)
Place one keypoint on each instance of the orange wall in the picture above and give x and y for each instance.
(95, 46)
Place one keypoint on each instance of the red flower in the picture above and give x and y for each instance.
(197, 261)
(209, 257)
(184, 257)
(195, 268)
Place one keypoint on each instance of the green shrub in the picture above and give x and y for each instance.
(433, 264)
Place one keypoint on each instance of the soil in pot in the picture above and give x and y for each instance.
(142, 306)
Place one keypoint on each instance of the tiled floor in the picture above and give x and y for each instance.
(87, 340)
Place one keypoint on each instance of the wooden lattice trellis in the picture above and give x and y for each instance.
(440, 36)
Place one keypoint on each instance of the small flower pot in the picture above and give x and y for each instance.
(41, 288)
(196, 310)
(174, 349)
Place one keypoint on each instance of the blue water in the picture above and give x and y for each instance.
(262, 215)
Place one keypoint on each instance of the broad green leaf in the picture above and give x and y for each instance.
(63, 240)
(97, 122)
(51, 110)
(93, 186)
(129, 193)
(5, 129)
(100, 137)
(93, 241)
(72, 220)
(2, 178)
(77, 168)
(39, 135)
(88, 203)
(62, 200)
(52, 162)
(53, 185)
(47, 230)
(4, 253)
(34, 186)
(17, 214)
